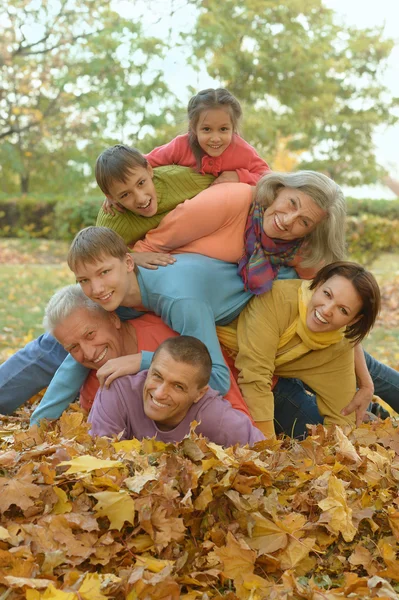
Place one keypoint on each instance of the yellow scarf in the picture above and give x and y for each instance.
(309, 340)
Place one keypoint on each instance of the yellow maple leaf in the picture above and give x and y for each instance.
(266, 536)
(91, 588)
(295, 552)
(238, 560)
(87, 463)
(117, 506)
(127, 445)
(339, 513)
(63, 505)
(204, 498)
(4, 535)
(155, 565)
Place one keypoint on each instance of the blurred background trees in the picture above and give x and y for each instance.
(78, 75)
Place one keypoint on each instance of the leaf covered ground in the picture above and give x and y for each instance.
(85, 519)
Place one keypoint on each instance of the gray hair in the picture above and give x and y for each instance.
(64, 302)
(326, 243)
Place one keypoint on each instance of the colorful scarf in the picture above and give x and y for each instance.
(263, 256)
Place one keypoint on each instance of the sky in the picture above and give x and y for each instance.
(361, 13)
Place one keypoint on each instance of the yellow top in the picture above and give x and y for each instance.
(329, 371)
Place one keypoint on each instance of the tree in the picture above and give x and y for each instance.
(74, 72)
(300, 76)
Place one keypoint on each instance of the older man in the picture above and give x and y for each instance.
(94, 336)
(163, 401)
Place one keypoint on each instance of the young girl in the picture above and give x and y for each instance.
(212, 144)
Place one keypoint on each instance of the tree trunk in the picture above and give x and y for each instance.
(24, 184)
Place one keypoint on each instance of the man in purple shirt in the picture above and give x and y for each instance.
(163, 401)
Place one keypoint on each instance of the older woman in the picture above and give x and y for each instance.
(306, 331)
(289, 219)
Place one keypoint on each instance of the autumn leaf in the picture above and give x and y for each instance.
(237, 558)
(117, 506)
(85, 464)
(338, 512)
(21, 493)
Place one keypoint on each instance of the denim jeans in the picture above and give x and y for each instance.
(294, 408)
(386, 381)
(28, 371)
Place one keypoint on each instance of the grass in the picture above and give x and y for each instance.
(25, 288)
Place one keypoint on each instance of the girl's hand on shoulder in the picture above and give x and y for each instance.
(117, 367)
(109, 207)
(227, 176)
(153, 260)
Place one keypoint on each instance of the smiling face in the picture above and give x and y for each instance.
(90, 336)
(138, 194)
(214, 131)
(170, 389)
(106, 281)
(334, 304)
(293, 215)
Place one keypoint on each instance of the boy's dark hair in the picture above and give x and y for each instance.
(115, 164)
(210, 99)
(189, 350)
(93, 243)
(367, 288)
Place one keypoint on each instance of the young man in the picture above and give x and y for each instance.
(190, 296)
(163, 401)
(95, 336)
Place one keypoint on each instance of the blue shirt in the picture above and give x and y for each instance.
(190, 296)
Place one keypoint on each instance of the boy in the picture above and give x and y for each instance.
(190, 296)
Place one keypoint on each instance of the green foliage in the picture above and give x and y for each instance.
(368, 236)
(302, 76)
(70, 72)
(72, 216)
(56, 217)
(389, 209)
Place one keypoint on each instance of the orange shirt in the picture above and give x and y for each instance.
(151, 331)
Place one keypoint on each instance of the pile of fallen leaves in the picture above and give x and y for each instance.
(85, 519)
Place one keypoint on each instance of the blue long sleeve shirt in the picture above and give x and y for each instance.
(190, 296)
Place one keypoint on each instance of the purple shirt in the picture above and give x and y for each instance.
(120, 408)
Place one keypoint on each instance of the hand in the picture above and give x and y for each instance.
(109, 206)
(153, 260)
(227, 176)
(267, 428)
(117, 367)
(359, 404)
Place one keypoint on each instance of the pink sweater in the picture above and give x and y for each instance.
(212, 223)
(239, 156)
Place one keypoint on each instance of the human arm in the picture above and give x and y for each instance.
(62, 390)
(227, 177)
(193, 316)
(152, 260)
(117, 367)
(365, 391)
(258, 337)
(256, 167)
(109, 207)
(169, 154)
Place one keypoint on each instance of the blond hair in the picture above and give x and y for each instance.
(326, 243)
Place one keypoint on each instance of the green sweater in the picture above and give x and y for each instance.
(173, 185)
